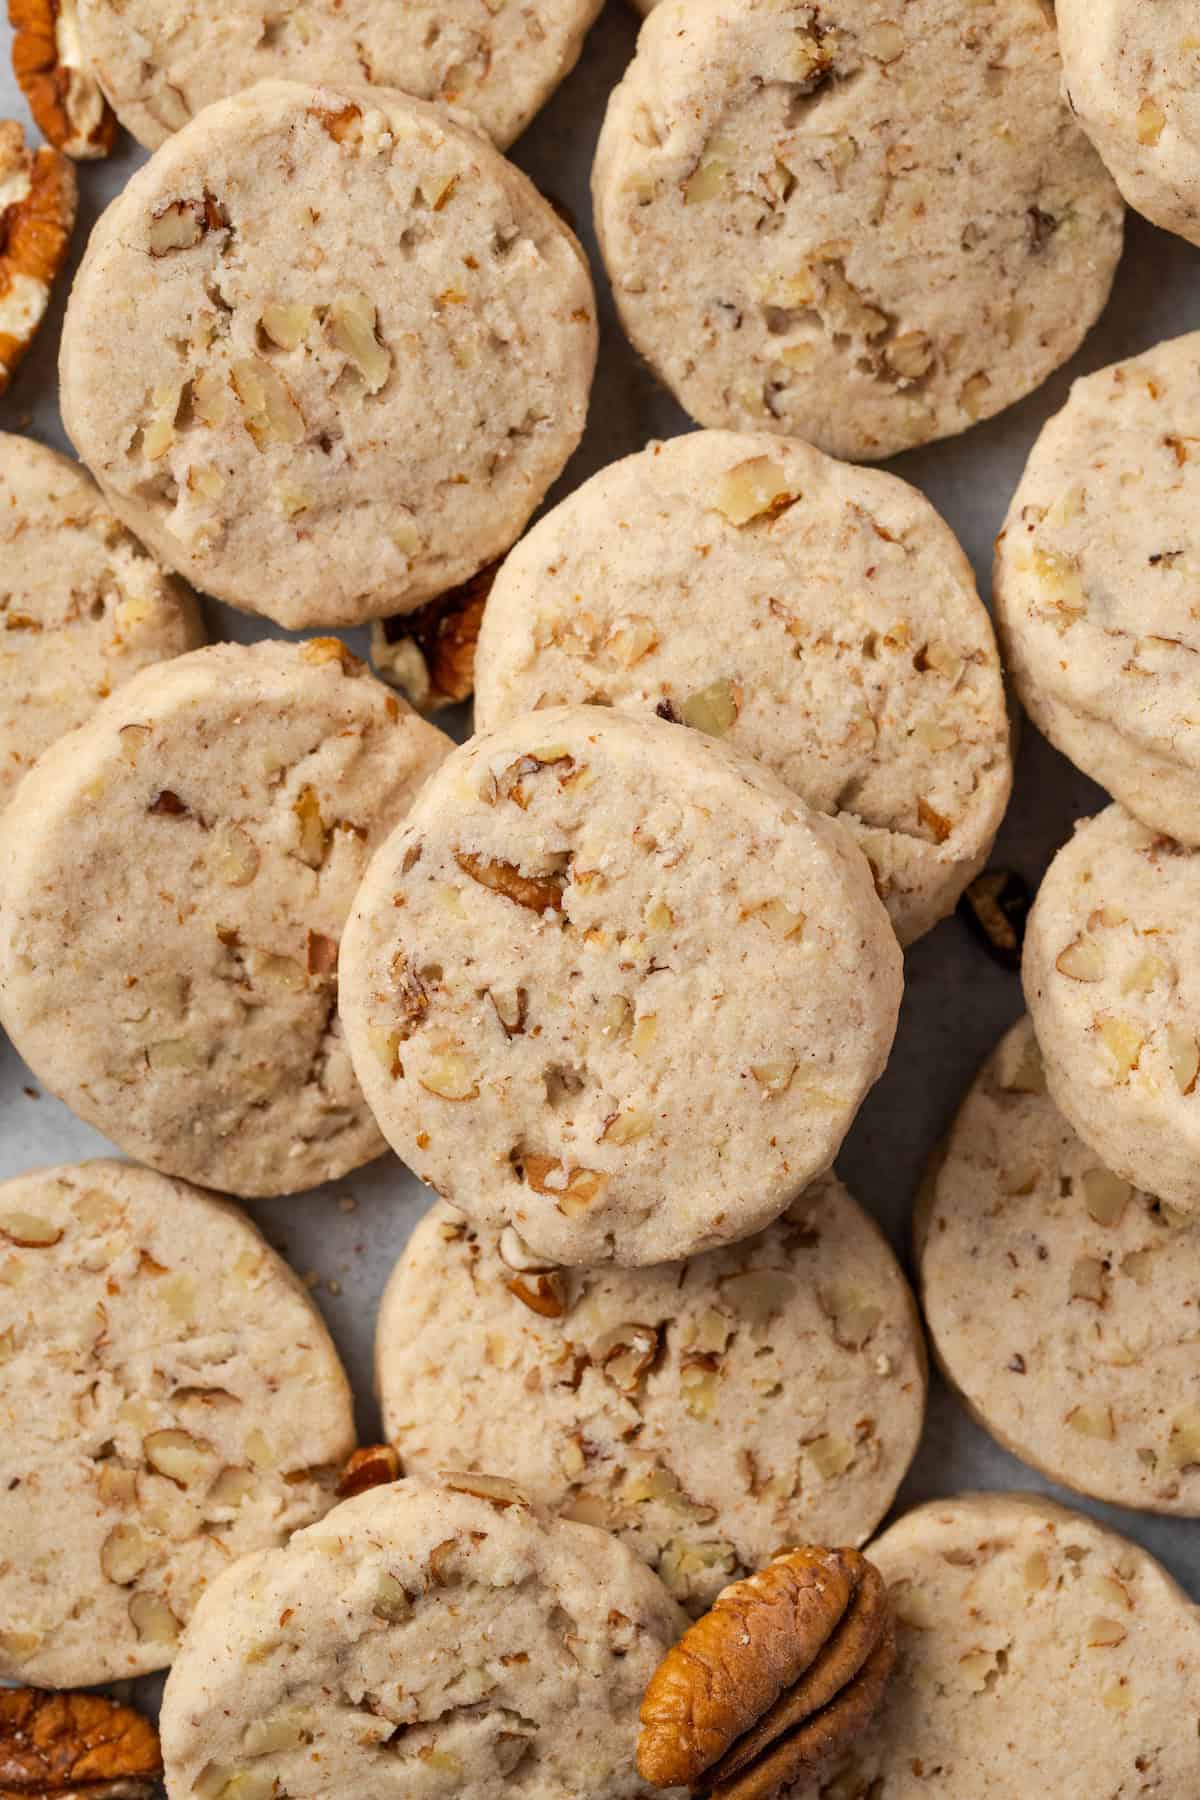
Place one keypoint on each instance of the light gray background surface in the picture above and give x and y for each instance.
(957, 1002)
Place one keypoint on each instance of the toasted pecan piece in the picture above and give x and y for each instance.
(75, 1744)
(375, 1465)
(429, 654)
(37, 215)
(53, 74)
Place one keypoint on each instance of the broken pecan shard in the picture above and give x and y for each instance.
(63, 94)
(540, 893)
(996, 906)
(375, 1465)
(37, 216)
(784, 1672)
(75, 1744)
(430, 654)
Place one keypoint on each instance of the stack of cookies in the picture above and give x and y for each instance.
(613, 976)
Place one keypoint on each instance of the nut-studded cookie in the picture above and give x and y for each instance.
(707, 1412)
(1133, 75)
(356, 348)
(82, 605)
(616, 985)
(820, 617)
(1095, 582)
(865, 225)
(175, 878)
(1112, 979)
(169, 1400)
(1061, 1300)
(161, 63)
(38, 199)
(421, 1640)
(1038, 1654)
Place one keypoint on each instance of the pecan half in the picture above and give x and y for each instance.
(37, 216)
(52, 72)
(430, 654)
(75, 1744)
(784, 1672)
(375, 1465)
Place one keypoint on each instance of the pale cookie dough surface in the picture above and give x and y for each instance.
(82, 605)
(1038, 1654)
(1132, 71)
(420, 1641)
(614, 984)
(169, 1400)
(160, 63)
(1095, 582)
(707, 1412)
(863, 225)
(356, 347)
(1112, 980)
(819, 617)
(174, 878)
(1061, 1300)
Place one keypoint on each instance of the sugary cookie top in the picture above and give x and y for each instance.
(422, 1640)
(821, 618)
(707, 1412)
(356, 348)
(160, 63)
(1061, 1300)
(82, 605)
(864, 225)
(169, 1400)
(616, 985)
(176, 875)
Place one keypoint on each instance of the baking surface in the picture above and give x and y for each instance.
(347, 1237)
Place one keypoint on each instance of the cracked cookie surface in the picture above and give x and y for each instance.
(1095, 579)
(357, 347)
(864, 225)
(169, 1400)
(422, 1639)
(707, 1412)
(821, 618)
(82, 605)
(616, 985)
(1038, 1653)
(177, 873)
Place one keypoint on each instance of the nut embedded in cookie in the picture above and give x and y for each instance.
(56, 1744)
(53, 74)
(430, 654)
(375, 1465)
(784, 1672)
(37, 216)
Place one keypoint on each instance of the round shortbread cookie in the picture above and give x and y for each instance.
(1095, 579)
(707, 1412)
(1061, 1301)
(169, 1400)
(159, 64)
(174, 878)
(421, 1640)
(615, 985)
(822, 618)
(1038, 1654)
(356, 347)
(1132, 72)
(82, 605)
(1112, 979)
(867, 226)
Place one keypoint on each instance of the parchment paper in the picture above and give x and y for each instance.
(958, 1000)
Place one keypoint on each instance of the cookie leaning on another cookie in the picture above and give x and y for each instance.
(616, 985)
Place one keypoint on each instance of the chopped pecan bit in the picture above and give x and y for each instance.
(180, 224)
(430, 654)
(69, 1744)
(542, 1292)
(375, 1465)
(493, 1488)
(165, 804)
(63, 94)
(574, 1188)
(783, 1673)
(540, 893)
(344, 126)
(322, 954)
(37, 216)
(996, 906)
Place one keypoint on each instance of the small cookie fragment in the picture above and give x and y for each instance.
(1039, 1653)
(38, 199)
(83, 606)
(617, 986)
(821, 618)
(1060, 1299)
(864, 226)
(308, 289)
(424, 1640)
(1132, 73)
(56, 78)
(1112, 980)
(177, 873)
(76, 1746)
(430, 654)
(169, 1400)
(1095, 581)
(706, 1412)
